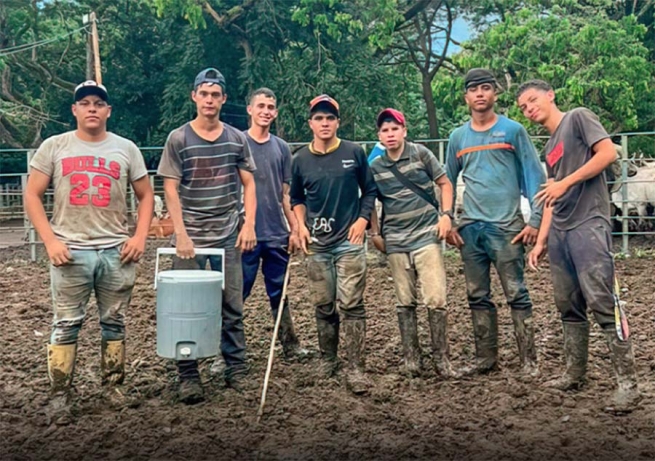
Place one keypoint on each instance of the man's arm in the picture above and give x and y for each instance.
(300, 210)
(445, 224)
(134, 247)
(37, 183)
(294, 243)
(369, 192)
(542, 239)
(183, 245)
(247, 239)
(532, 179)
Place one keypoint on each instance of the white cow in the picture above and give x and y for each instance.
(641, 193)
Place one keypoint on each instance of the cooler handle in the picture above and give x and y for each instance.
(199, 251)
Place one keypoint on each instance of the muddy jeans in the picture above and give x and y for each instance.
(484, 244)
(91, 270)
(233, 340)
(582, 269)
(424, 265)
(274, 260)
(338, 276)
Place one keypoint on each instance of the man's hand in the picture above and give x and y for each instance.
(58, 253)
(246, 240)
(455, 239)
(294, 243)
(305, 238)
(184, 247)
(534, 255)
(528, 236)
(379, 244)
(357, 232)
(133, 249)
(444, 226)
(551, 192)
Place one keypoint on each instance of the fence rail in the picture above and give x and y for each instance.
(12, 186)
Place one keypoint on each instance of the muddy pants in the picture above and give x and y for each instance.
(233, 340)
(484, 244)
(91, 270)
(274, 260)
(424, 265)
(582, 269)
(338, 276)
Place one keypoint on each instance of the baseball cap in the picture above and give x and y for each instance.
(478, 76)
(209, 75)
(390, 113)
(90, 87)
(324, 102)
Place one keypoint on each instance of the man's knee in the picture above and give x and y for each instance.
(327, 312)
(357, 312)
(66, 331)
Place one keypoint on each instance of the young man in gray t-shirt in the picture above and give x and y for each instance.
(576, 229)
(87, 239)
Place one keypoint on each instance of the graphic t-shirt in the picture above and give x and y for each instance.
(90, 181)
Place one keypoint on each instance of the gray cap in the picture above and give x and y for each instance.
(478, 76)
(209, 75)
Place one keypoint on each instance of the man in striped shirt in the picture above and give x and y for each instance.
(412, 227)
(202, 164)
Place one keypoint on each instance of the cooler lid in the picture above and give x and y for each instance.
(190, 276)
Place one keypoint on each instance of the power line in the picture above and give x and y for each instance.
(31, 46)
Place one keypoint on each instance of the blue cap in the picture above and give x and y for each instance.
(209, 75)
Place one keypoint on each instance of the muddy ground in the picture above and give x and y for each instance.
(495, 417)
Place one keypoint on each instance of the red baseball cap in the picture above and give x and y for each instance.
(394, 114)
(324, 102)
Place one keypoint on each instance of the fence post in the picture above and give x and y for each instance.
(624, 195)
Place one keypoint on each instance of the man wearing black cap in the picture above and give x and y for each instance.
(412, 228)
(87, 239)
(498, 163)
(202, 164)
(328, 177)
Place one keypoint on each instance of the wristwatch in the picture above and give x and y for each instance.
(449, 213)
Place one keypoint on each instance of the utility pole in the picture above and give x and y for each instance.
(93, 69)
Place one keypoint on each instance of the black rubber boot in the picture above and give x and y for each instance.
(190, 390)
(287, 336)
(438, 319)
(576, 352)
(485, 329)
(355, 338)
(627, 396)
(524, 333)
(407, 323)
(328, 343)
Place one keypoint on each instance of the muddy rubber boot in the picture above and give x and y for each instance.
(328, 343)
(576, 352)
(407, 323)
(355, 337)
(438, 319)
(485, 330)
(627, 396)
(218, 367)
(287, 336)
(61, 367)
(524, 333)
(190, 390)
(112, 362)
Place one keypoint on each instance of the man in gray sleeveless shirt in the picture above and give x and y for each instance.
(202, 164)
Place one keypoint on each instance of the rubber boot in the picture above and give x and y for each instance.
(627, 396)
(576, 352)
(112, 362)
(61, 367)
(190, 390)
(524, 333)
(407, 323)
(485, 330)
(355, 337)
(328, 343)
(438, 320)
(287, 337)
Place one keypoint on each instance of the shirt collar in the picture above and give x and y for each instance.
(329, 150)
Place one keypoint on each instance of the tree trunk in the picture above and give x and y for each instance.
(430, 107)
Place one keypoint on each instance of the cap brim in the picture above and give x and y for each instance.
(325, 106)
(89, 91)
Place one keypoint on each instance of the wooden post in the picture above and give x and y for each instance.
(96, 49)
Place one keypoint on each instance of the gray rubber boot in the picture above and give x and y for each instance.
(328, 343)
(485, 330)
(438, 319)
(355, 337)
(407, 323)
(287, 337)
(112, 362)
(627, 396)
(576, 352)
(61, 368)
(524, 333)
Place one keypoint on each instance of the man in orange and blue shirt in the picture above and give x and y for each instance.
(498, 163)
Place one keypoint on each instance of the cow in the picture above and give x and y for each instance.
(640, 195)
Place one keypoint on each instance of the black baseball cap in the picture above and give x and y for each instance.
(478, 76)
(324, 103)
(90, 87)
(209, 75)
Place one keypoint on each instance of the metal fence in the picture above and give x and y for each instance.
(13, 218)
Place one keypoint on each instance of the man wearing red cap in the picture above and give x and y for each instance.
(412, 228)
(333, 194)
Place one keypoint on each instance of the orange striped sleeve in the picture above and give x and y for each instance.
(499, 145)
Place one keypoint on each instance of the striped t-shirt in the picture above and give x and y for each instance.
(409, 221)
(209, 181)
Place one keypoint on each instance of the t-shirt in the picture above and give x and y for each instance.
(409, 221)
(209, 181)
(273, 160)
(568, 149)
(498, 166)
(90, 187)
(336, 187)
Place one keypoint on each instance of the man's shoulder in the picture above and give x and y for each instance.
(122, 142)
(579, 113)
(350, 145)
(459, 132)
(233, 134)
(178, 135)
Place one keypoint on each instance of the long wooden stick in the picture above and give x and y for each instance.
(271, 352)
(96, 49)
